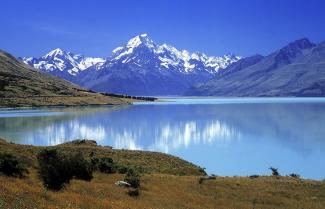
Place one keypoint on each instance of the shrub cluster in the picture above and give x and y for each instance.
(12, 166)
(107, 165)
(133, 178)
(122, 169)
(57, 169)
(104, 164)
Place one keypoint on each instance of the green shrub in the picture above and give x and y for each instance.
(122, 169)
(80, 167)
(11, 166)
(56, 169)
(53, 169)
(106, 165)
(133, 178)
(94, 163)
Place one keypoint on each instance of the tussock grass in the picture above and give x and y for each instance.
(160, 188)
(166, 191)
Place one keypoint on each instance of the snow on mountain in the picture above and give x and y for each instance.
(168, 57)
(140, 67)
(57, 61)
(138, 50)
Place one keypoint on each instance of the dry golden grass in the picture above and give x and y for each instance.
(166, 191)
(159, 187)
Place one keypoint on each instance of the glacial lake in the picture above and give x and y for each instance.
(227, 136)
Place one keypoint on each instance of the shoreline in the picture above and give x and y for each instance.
(123, 100)
(63, 106)
(93, 144)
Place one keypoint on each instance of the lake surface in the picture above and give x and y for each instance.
(237, 136)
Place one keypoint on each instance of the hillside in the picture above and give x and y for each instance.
(21, 85)
(168, 182)
(297, 69)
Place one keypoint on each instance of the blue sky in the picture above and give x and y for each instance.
(216, 27)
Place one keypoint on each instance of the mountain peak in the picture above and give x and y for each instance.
(144, 35)
(54, 53)
(139, 40)
(302, 43)
(292, 51)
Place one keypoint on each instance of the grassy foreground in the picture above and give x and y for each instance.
(167, 182)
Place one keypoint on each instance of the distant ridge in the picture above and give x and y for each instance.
(297, 69)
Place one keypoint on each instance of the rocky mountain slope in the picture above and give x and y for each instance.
(297, 69)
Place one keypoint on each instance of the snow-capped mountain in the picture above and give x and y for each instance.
(63, 64)
(141, 50)
(140, 67)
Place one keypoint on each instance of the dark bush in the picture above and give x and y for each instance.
(94, 162)
(56, 169)
(106, 165)
(254, 176)
(134, 192)
(11, 166)
(122, 169)
(202, 171)
(274, 171)
(53, 169)
(201, 180)
(294, 175)
(80, 167)
(133, 178)
(206, 177)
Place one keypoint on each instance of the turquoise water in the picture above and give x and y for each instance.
(237, 136)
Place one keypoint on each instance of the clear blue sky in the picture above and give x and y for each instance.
(216, 27)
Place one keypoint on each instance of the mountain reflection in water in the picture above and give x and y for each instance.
(240, 137)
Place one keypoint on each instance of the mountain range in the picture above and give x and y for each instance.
(140, 67)
(298, 69)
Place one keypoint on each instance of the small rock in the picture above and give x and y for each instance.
(122, 183)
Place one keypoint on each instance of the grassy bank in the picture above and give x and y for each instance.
(148, 162)
(167, 182)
